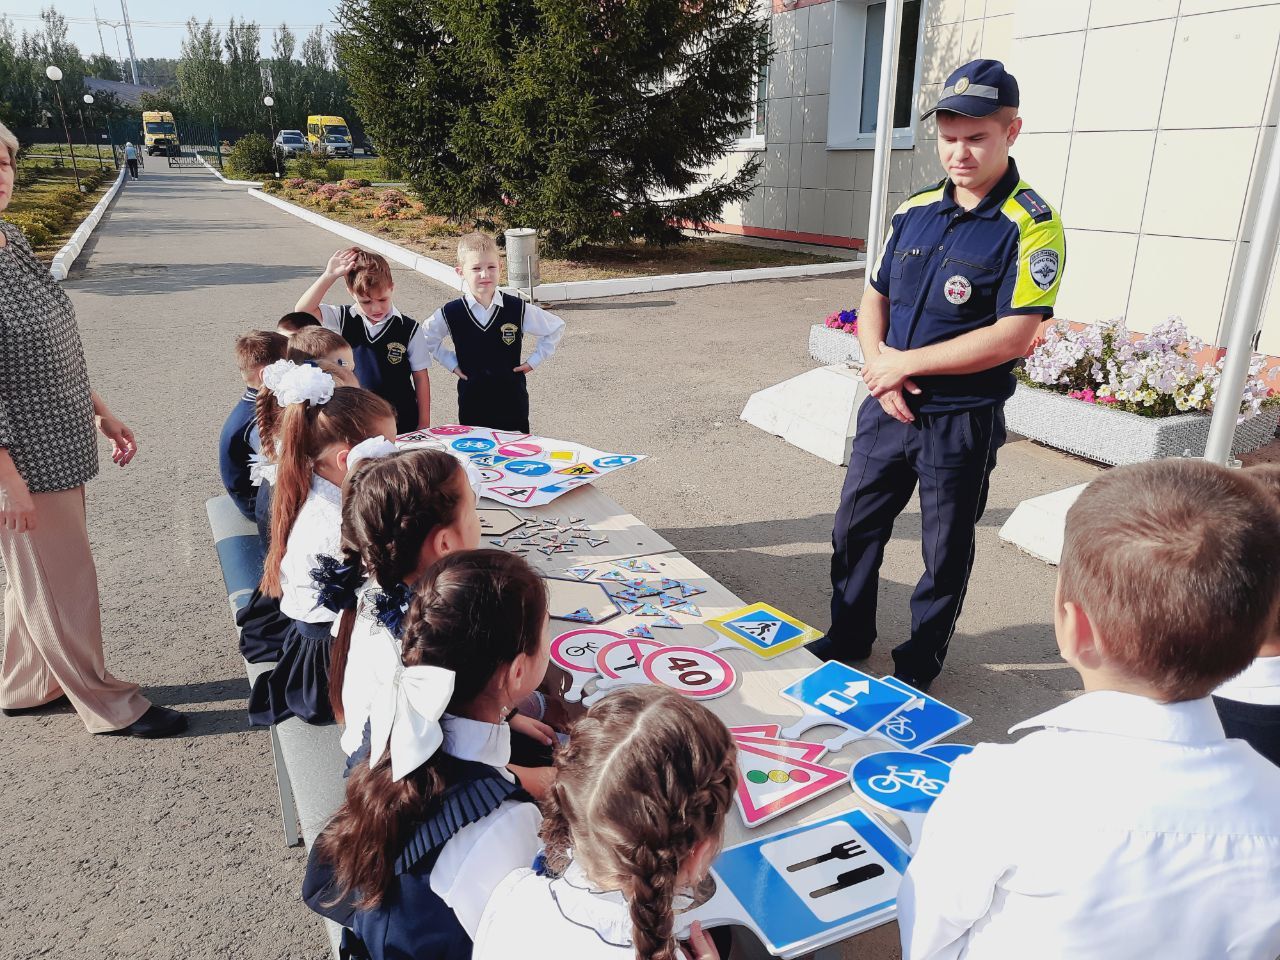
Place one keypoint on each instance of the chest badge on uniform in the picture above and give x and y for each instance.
(509, 331)
(395, 352)
(958, 290)
(1044, 268)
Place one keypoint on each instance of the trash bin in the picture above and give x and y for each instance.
(522, 258)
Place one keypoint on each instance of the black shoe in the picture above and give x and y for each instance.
(54, 704)
(824, 648)
(921, 685)
(158, 721)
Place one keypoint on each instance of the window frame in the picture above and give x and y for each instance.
(848, 51)
(757, 136)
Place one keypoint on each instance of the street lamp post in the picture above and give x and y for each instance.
(97, 139)
(270, 102)
(55, 75)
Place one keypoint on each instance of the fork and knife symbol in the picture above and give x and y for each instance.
(849, 878)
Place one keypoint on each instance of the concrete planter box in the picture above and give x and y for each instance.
(829, 346)
(1116, 437)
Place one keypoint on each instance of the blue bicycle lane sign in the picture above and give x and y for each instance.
(848, 696)
(899, 780)
(921, 722)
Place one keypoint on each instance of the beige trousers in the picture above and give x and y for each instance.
(52, 626)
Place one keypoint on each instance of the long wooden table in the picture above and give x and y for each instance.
(756, 698)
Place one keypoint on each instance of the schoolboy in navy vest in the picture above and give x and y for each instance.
(391, 353)
(254, 351)
(487, 329)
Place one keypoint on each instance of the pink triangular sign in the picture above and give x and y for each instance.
(770, 784)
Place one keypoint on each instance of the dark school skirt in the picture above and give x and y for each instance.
(299, 684)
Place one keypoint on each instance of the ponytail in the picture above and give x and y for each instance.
(473, 613)
(389, 509)
(306, 429)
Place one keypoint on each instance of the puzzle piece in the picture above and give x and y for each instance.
(581, 615)
(636, 565)
(669, 601)
(614, 575)
(580, 573)
(649, 610)
(639, 630)
(668, 623)
(690, 609)
(627, 606)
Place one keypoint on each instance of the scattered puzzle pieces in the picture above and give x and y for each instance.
(666, 600)
(636, 565)
(580, 573)
(639, 630)
(581, 615)
(690, 609)
(667, 622)
(649, 610)
(615, 576)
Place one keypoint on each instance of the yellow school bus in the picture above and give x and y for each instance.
(329, 135)
(159, 132)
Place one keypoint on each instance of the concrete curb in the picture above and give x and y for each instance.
(558, 292)
(232, 183)
(60, 268)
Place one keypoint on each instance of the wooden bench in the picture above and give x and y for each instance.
(308, 759)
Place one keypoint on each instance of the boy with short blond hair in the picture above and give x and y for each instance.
(255, 351)
(487, 328)
(391, 354)
(1127, 826)
(1249, 703)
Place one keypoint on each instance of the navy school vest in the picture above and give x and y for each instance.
(412, 920)
(487, 353)
(382, 363)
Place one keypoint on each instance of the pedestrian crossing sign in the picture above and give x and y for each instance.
(764, 630)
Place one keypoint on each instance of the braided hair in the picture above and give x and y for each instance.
(474, 612)
(389, 509)
(647, 775)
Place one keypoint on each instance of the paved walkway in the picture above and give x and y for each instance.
(120, 849)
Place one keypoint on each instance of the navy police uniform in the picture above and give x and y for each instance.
(382, 361)
(492, 395)
(945, 271)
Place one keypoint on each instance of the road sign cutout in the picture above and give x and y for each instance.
(579, 470)
(519, 494)
(621, 658)
(922, 722)
(692, 671)
(519, 450)
(770, 783)
(508, 436)
(473, 445)
(763, 629)
(757, 730)
(901, 782)
(840, 695)
(575, 652)
(449, 430)
(810, 886)
(793, 749)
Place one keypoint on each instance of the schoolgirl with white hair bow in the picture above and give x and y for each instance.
(319, 424)
(434, 821)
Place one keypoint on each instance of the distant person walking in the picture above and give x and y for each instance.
(131, 158)
(52, 644)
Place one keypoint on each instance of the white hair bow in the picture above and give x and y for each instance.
(273, 374)
(406, 716)
(304, 384)
(373, 448)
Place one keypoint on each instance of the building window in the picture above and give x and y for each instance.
(858, 27)
(753, 132)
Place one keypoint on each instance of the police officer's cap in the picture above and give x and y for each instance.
(978, 89)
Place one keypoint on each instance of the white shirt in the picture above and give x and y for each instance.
(540, 918)
(475, 859)
(546, 326)
(1126, 829)
(317, 531)
(374, 653)
(1260, 683)
(419, 352)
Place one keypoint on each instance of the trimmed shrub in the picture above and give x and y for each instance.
(306, 166)
(333, 170)
(252, 156)
(34, 230)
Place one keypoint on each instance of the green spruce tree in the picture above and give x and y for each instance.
(593, 122)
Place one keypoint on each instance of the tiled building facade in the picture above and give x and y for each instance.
(1143, 121)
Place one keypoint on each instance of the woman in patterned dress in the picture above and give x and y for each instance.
(52, 646)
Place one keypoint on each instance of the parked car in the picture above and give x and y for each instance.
(368, 147)
(291, 142)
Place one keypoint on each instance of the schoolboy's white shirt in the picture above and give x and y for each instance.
(419, 352)
(546, 326)
(316, 531)
(1125, 829)
(1259, 684)
(474, 861)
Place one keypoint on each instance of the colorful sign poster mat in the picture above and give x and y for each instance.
(764, 630)
(771, 783)
(840, 695)
(922, 722)
(808, 887)
(528, 471)
(904, 783)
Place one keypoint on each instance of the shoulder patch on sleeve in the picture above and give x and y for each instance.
(1030, 201)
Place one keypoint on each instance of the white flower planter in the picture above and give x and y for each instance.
(1117, 437)
(828, 346)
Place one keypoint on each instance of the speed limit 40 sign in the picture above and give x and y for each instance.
(692, 671)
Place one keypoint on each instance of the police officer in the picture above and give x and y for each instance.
(969, 272)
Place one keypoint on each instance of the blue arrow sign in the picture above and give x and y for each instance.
(848, 696)
(609, 463)
(923, 722)
(527, 468)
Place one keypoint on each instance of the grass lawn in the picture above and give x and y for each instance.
(49, 194)
(393, 215)
(42, 152)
